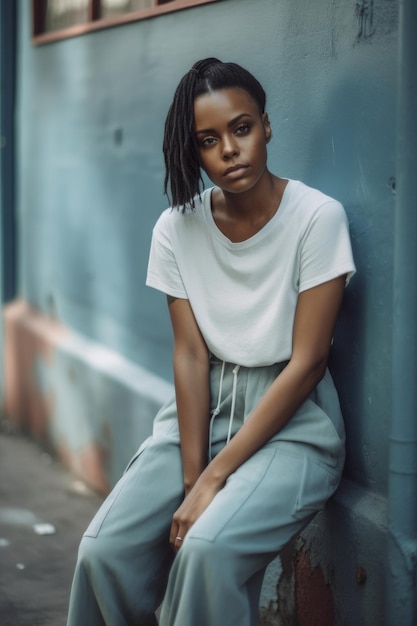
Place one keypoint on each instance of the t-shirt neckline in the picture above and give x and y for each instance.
(206, 202)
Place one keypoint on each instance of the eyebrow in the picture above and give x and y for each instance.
(229, 124)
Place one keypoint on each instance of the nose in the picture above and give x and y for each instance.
(229, 147)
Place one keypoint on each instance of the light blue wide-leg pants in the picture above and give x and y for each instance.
(125, 565)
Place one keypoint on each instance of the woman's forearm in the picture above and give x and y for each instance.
(314, 323)
(191, 375)
(276, 407)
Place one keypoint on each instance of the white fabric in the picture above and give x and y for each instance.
(244, 294)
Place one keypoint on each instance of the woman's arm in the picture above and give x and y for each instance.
(191, 378)
(314, 323)
(315, 319)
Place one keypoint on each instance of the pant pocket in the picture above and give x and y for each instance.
(233, 497)
(318, 483)
(97, 521)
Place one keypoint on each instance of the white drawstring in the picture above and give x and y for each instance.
(232, 410)
(216, 411)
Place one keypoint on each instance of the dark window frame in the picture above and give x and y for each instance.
(39, 36)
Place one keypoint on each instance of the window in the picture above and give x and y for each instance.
(57, 19)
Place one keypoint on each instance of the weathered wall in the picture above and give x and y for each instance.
(90, 122)
(91, 112)
(90, 405)
(7, 157)
(1, 203)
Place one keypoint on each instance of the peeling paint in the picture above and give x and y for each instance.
(286, 586)
(313, 595)
(303, 594)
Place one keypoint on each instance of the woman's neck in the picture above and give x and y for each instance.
(240, 216)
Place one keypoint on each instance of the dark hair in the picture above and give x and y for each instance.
(182, 163)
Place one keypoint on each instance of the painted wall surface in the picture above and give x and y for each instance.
(90, 117)
(1, 210)
(88, 404)
(7, 160)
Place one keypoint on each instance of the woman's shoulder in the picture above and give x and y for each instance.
(310, 197)
(307, 204)
(179, 219)
(194, 208)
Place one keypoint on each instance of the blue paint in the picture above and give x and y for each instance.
(7, 149)
(402, 494)
(7, 159)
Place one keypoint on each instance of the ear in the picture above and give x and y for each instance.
(267, 127)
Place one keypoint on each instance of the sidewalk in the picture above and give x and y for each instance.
(43, 512)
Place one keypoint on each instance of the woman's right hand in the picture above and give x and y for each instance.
(194, 504)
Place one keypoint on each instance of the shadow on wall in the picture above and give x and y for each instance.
(354, 163)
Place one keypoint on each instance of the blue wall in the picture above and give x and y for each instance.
(90, 122)
(1, 212)
(7, 158)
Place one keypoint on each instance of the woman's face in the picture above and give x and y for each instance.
(231, 136)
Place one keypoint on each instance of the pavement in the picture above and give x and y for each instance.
(44, 509)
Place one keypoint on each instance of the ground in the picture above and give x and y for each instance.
(36, 569)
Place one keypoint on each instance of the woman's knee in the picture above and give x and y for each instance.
(201, 555)
(93, 553)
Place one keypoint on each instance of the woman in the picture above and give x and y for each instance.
(252, 445)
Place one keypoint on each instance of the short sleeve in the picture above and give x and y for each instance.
(325, 251)
(163, 273)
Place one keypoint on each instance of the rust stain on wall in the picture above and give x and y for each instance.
(282, 609)
(314, 599)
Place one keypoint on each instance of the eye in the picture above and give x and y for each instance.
(207, 142)
(242, 129)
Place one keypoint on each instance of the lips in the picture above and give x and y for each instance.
(235, 170)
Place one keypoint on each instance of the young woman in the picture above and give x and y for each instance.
(252, 445)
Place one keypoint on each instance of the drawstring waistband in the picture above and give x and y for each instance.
(216, 411)
(232, 410)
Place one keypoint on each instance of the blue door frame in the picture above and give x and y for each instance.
(7, 158)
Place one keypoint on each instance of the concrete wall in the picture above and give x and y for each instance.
(7, 157)
(1, 206)
(90, 122)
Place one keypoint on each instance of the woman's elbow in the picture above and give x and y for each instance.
(196, 356)
(311, 369)
(319, 369)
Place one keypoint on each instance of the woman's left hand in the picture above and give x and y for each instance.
(194, 504)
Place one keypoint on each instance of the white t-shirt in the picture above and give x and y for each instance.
(244, 294)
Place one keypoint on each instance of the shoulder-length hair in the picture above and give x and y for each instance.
(182, 163)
